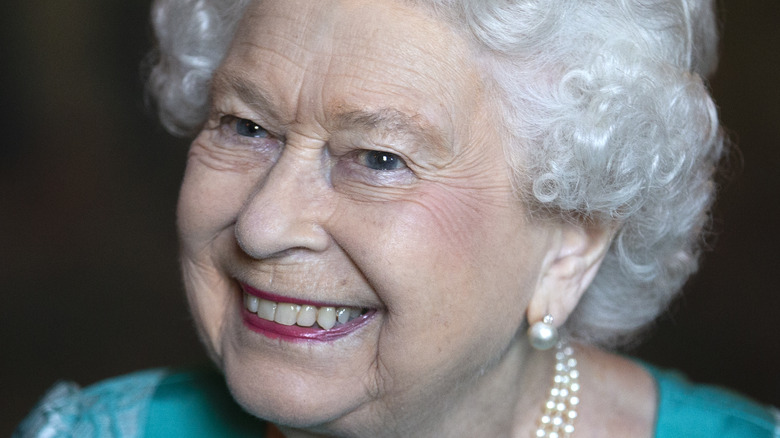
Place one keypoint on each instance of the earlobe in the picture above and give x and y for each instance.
(573, 258)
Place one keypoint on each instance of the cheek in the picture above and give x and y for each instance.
(444, 243)
(446, 267)
(210, 199)
(462, 230)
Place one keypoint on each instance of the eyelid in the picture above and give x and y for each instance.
(226, 107)
(224, 133)
(230, 121)
(349, 168)
(237, 124)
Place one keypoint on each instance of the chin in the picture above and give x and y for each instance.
(296, 384)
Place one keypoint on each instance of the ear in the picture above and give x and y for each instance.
(573, 258)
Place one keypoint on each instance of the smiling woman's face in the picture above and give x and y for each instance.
(351, 163)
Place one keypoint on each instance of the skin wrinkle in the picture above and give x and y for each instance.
(395, 93)
(204, 243)
(302, 21)
(452, 212)
(289, 74)
(270, 56)
(286, 271)
(224, 160)
(228, 84)
(362, 74)
(204, 326)
(410, 131)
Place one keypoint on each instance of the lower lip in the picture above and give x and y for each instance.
(294, 333)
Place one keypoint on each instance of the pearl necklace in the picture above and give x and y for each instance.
(560, 410)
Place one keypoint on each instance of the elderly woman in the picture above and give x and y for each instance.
(384, 197)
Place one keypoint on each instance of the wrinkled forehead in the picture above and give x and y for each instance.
(353, 55)
(401, 28)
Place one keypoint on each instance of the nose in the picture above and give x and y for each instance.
(287, 209)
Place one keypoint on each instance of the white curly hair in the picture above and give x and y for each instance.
(607, 114)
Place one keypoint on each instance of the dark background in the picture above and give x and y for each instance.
(89, 283)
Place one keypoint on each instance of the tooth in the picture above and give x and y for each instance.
(266, 309)
(307, 316)
(326, 317)
(354, 313)
(342, 315)
(286, 313)
(251, 303)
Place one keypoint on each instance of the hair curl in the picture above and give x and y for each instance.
(607, 115)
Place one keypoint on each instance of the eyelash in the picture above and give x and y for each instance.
(368, 166)
(245, 132)
(232, 126)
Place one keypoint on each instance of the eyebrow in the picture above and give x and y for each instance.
(246, 91)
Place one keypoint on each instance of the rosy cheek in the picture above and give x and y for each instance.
(415, 239)
(461, 220)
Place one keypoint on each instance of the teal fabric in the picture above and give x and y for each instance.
(697, 411)
(161, 403)
(155, 404)
(198, 404)
(116, 407)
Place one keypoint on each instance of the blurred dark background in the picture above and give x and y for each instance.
(89, 283)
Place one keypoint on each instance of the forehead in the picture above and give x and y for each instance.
(310, 60)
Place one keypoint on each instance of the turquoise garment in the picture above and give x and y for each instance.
(198, 404)
(699, 411)
(151, 404)
(114, 408)
(161, 403)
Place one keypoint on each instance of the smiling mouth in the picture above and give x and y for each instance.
(294, 319)
(301, 315)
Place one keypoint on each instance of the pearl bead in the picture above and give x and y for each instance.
(543, 336)
(559, 414)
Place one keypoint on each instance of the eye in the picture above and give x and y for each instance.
(248, 128)
(380, 160)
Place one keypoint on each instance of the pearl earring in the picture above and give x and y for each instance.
(542, 334)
